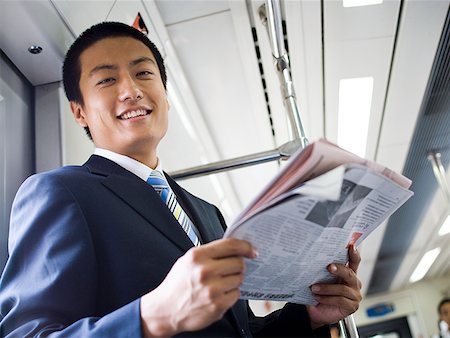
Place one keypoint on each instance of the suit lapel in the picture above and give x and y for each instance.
(141, 197)
(205, 221)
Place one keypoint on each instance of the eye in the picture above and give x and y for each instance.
(144, 73)
(105, 81)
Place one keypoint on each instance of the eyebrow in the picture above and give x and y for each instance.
(113, 67)
(142, 59)
(101, 67)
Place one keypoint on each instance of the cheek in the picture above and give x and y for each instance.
(100, 110)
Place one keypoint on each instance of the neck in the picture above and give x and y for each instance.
(150, 161)
(149, 158)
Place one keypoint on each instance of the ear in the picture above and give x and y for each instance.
(78, 113)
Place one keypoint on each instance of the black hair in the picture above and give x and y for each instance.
(72, 68)
(442, 302)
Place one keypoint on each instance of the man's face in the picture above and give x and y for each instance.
(445, 313)
(125, 104)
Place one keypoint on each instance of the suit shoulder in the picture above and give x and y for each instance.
(52, 177)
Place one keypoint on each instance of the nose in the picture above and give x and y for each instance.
(129, 90)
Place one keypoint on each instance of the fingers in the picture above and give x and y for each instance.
(345, 274)
(219, 258)
(348, 288)
(353, 258)
(340, 296)
(335, 291)
(225, 285)
(228, 247)
(216, 269)
(345, 306)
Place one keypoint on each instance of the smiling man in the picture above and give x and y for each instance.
(124, 101)
(115, 248)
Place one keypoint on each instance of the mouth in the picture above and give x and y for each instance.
(134, 113)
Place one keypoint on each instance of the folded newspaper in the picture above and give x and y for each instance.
(322, 201)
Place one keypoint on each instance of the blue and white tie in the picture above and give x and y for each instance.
(159, 183)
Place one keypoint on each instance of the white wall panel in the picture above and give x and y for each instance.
(16, 142)
(47, 127)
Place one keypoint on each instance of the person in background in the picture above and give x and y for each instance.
(444, 317)
(115, 248)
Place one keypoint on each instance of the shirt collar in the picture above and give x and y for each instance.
(130, 164)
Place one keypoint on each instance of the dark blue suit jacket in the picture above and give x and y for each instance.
(87, 242)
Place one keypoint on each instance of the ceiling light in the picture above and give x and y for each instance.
(357, 3)
(35, 49)
(424, 265)
(355, 101)
(445, 228)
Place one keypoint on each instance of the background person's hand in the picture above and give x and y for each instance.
(198, 290)
(337, 301)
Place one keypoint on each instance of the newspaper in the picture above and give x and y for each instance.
(307, 217)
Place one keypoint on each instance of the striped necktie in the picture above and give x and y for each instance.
(159, 183)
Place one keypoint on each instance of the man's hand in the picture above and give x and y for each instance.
(337, 301)
(198, 290)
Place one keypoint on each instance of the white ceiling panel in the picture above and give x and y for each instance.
(210, 58)
(80, 15)
(393, 156)
(358, 42)
(23, 24)
(126, 11)
(360, 22)
(351, 59)
(182, 10)
(418, 39)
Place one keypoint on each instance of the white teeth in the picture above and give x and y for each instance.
(134, 113)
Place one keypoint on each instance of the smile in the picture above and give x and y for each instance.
(134, 113)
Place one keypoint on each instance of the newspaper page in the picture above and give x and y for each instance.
(299, 233)
(316, 159)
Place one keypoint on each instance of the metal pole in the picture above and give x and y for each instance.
(440, 174)
(270, 15)
(283, 152)
(351, 326)
(342, 329)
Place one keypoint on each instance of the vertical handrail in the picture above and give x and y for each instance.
(350, 324)
(270, 15)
